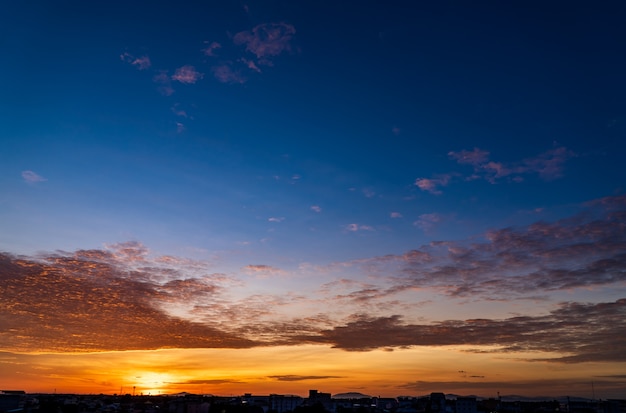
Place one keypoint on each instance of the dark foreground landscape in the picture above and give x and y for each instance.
(15, 401)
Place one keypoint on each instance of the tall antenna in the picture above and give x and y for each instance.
(593, 392)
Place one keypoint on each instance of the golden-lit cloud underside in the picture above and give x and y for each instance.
(120, 298)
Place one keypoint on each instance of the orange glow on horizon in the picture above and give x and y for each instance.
(287, 370)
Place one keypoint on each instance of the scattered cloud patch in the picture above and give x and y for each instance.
(187, 74)
(548, 165)
(291, 377)
(276, 219)
(32, 177)
(395, 215)
(266, 40)
(163, 79)
(427, 222)
(358, 227)
(432, 185)
(141, 63)
(316, 208)
(225, 74)
(211, 48)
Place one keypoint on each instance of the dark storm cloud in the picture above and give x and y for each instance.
(579, 332)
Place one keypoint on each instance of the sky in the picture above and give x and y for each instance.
(389, 197)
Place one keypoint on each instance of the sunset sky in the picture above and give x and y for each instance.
(388, 197)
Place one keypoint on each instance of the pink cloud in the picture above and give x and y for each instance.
(225, 74)
(549, 165)
(395, 215)
(432, 185)
(358, 227)
(266, 40)
(32, 177)
(180, 128)
(251, 65)
(187, 74)
(428, 221)
(163, 79)
(475, 157)
(209, 51)
(140, 63)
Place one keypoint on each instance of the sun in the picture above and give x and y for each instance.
(152, 383)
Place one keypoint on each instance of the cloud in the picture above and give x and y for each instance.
(163, 79)
(476, 157)
(290, 377)
(179, 112)
(428, 221)
(432, 185)
(578, 332)
(548, 165)
(266, 40)
(122, 297)
(140, 63)
(187, 74)
(276, 219)
(316, 208)
(93, 301)
(32, 177)
(225, 74)
(358, 227)
(261, 269)
(210, 49)
(180, 128)
(395, 215)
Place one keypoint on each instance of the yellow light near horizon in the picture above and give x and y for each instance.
(151, 382)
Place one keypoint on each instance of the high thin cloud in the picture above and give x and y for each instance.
(291, 377)
(187, 74)
(141, 63)
(226, 74)
(210, 49)
(32, 177)
(432, 185)
(266, 40)
(548, 165)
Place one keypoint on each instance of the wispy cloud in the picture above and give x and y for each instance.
(140, 63)
(548, 165)
(187, 74)
(266, 40)
(163, 79)
(211, 48)
(225, 74)
(316, 208)
(395, 215)
(432, 185)
(358, 227)
(427, 222)
(291, 377)
(276, 219)
(32, 177)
